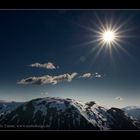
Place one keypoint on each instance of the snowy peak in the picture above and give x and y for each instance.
(8, 106)
(133, 111)
(65, 114)
(131, 107)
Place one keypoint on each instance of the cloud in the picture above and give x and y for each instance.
(91, 75)
(48, 65)
(97, 75)
(47, 79)
(86, 75)
(119, 98)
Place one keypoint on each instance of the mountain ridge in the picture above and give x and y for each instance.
(54, 113)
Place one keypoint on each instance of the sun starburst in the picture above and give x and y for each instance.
(107, 36)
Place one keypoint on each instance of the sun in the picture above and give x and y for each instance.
(108, 36)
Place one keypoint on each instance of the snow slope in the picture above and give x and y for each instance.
(133, 111)
(8, 106)
(65, 114)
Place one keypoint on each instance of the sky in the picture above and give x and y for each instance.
(51, 53)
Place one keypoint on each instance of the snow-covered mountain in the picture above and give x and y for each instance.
(133, 111)
(54, 113)
(6, 107)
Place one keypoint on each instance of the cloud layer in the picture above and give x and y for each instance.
(47, 79)
(48, 65)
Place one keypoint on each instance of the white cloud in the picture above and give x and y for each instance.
(91, 75)
(119, 98)
(86, 75)
(47, 79)
(97, 75)
(48, 65)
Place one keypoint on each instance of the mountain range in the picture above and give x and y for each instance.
(53, 113)
(133, 111)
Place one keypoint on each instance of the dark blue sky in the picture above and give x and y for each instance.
(57, 36)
